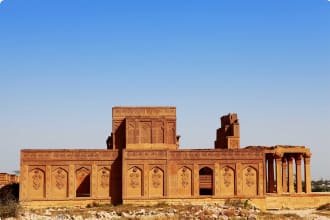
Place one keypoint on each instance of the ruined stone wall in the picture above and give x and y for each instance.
(179, 174)
(70, 175)
(6, 178)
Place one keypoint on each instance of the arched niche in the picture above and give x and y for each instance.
(103, 182)
(227, 181)
(184, 183)
(59, 183)
(250, 182)
(156, 182)
(206, 181)
(83, 180)
(134, 182)
(37, 183)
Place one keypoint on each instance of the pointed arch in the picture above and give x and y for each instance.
(206, 181)
(103, 182)
(37, 183)
(184, 184)
(83, 180)
(250, 182)
(59, 183)
(156, 182)
(227, 181)
(134, 182)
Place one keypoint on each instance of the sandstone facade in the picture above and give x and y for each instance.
(6, 178)
(142, 163)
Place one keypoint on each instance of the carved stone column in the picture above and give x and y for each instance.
(291, 180)
(270, 175)
(298, 172)
(307, 161)
(278, 159)
(284, 177)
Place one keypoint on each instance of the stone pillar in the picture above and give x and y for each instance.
(196, 180)
(307, 161)
(48, 173)
(93, 183)
(298, 172)
(270, 175)
(239, 179)
(145, 180)
(72, 181)
(23, 184)
(278, 174)
(291, 180)
(216, 178)
(284, 172)
(261, 179)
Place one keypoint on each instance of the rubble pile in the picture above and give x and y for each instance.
(177, 212)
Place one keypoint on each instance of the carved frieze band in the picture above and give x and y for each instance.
(146, 154)
(214, 155)
(68, 155)
(124, 112)
(192, 155)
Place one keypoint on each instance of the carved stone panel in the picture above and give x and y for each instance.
(36, 183)
(145, 132)
(158, 132)
(131, 132)
(103, 182)
(184, 183)
(156, 182)
(227, 181)
(134, 182)
(250, 181)
(171, 133)
(59, 183)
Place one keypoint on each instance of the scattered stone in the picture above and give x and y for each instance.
(252, 217)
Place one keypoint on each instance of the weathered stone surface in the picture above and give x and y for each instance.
(143, 164)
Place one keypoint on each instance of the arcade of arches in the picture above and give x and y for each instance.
(142, 163)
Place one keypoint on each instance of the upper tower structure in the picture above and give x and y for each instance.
(228, 136)
(143, 128)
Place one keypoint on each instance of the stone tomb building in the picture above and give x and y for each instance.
(6, 178)
(142, 164)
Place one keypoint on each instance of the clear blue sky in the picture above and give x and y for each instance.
(64, 64)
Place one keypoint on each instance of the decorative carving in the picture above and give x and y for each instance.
(60, 179)
(131, 133)
(171, 133)
(250, 178)
(156, 177)
(104, 178)
(37, 179)
(185, 178)
(227, 177)
(142, 111)
(145, 128)
(158, 132)
(134, 178)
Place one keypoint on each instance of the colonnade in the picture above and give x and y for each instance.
(280, 176)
